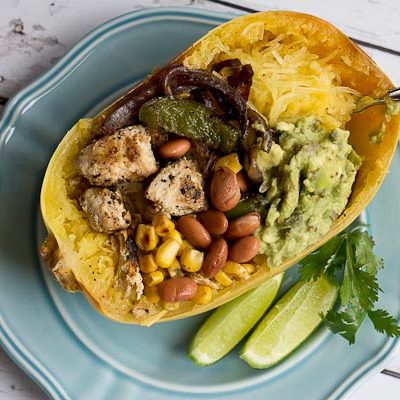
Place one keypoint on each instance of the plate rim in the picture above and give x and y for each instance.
(17, 351)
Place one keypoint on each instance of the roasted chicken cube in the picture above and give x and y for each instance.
(178, 189)
(105, 210)
(124, 156)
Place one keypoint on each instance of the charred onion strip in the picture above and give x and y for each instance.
(262, 126)
(242, 80)
(241, 77)
(230, 63)
(129, 106)
(209, 100)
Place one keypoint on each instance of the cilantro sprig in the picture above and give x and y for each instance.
(348, 260)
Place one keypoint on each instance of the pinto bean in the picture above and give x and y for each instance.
(215, 258)
(177, 289)
(194, 232)
(243, 226)
(242, 182)
(174, 148)
(244, 249)
(224, 191)
(214, 221)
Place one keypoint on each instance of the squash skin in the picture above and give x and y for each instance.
(77, 246)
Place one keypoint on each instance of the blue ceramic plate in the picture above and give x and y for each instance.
(56, 337)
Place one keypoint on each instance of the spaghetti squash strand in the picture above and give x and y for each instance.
(290, 81)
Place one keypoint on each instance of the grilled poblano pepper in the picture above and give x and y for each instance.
(253, 203)
(190, 119)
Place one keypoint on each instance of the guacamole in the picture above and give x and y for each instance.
(307, 180)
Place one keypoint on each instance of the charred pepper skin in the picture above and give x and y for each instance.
(254, 203)
(192, 120)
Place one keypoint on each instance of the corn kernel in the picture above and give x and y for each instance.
(146, 238)
(192, 260)
(175, 273)
(170, 306)
(175, 269)
(151, 293)
(174, 234)
(176, 264)
(155, 278)
(203, 295)
(183, 95)
(162, 225)
(260, 259)
(250, 268)
(185, 245)
(147, 263)
(235, 269)
(222, 278)
(167, 252)
(230, 161)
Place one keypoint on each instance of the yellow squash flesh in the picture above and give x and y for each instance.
(88, 260)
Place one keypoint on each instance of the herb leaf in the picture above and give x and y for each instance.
(359, 288)
(345, 323)
(384, 322)
(321, 260)
(366, 289)
(350, 254)
(364, 255)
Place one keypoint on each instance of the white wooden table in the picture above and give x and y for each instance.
(34, 34)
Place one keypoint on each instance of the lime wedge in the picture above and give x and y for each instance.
(291, 321)
(226, 326)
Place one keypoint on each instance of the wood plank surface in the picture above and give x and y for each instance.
(34, 34)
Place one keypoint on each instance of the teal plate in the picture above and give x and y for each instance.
(56, 337)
